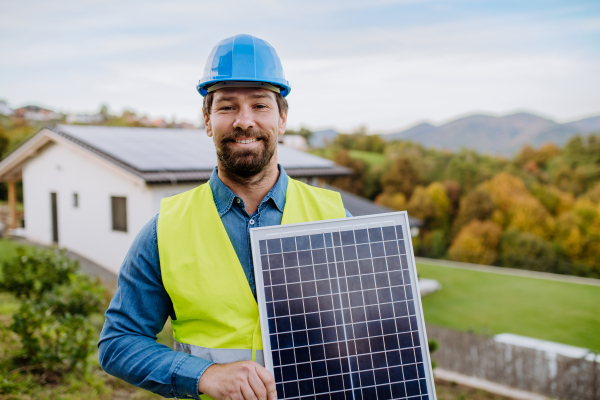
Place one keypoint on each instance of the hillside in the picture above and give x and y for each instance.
(496, 135)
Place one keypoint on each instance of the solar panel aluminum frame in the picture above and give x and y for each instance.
(380, 220)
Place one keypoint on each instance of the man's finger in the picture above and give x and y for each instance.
(247, 391)
(257, 385)
(268, 381)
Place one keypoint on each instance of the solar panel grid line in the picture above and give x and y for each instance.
(332, 293)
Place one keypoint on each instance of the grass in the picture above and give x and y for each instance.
(369, 157)
(491, 303)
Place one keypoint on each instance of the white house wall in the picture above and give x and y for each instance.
(87, 229)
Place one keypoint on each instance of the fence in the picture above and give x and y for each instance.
(549, 374)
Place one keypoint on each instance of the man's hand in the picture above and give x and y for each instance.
(241, 380)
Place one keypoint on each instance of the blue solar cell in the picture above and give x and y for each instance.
(264, 261)
(398, 390)
(384, 295)
(313, 320)
(305, 258)
(323, 287)
(351, 268)
(386, 310)
(311, 305)
(290, 389)
(411, 307)
(418, 354)
(280, 394)
(375, 235)
(365, 362)
(288, 244)
(363, 251)
(353, 283)
(334, 289)
(370, 296)
(307, 273)
(304, 371)
(306, 387)
(290, 259)
(320, 272)
(327, 318)
(382, 280)
(416, 339)
(368, 281)
(389, 233)
(267, 278)
(405, 340)
(376, 343)
(413, 322)
(358, 314)
(360, 330)
(379, 264)
(330, 254)
(283, 324)
(349, 253)
(302, 354)
(395, 370)
(399, 233)
(347, 237)
(325, 302)
(303, 242)
(276, 358)
(377, 249)
(275, 261)
(319, 368)
(338, 255)
(277, 277)
(404, 262)
(401, 247)
(379, 361)
(388, 326)
(356, 299)
(287, 356)
(321, 385)
(374, 328)
(412, 388)
(274, 246)
(292, 275)
(391, 248)
(317, 241)
(365, 266)
(391, 342)
(410, 372)
(263, 246)
(319, 256)
(403, 324)
(294, 291)
(281, 308)
(298, 323)
(296, 306)
(300, 338)
(408, 356)
(270, 310)
(367, 378)
(274, 343)
(396, 278)
(361, 236)
(423, 384)
(328, 240)
(272, 326)
(372, 312)
(398, 293)
(309, 289)
(285, 340)
(393, 358)
(384, 392)
(400, 309)
(337, 240)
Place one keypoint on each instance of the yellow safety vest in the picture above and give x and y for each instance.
(216, 313)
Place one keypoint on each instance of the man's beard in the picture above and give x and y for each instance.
(246, 163)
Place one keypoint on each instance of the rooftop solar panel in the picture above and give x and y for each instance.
(340, 309)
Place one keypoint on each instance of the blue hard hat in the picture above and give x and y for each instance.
(243, 58)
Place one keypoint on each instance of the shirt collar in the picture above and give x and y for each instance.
(224, 197)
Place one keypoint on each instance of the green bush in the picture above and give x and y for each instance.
(526, 251)
(52, 322)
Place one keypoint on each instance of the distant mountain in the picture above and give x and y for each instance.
(322, 138)
(496, 135)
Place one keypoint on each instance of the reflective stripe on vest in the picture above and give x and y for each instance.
(220, 356)
(213, 303)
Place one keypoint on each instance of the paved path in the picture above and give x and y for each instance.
(509, 271)
(488, 386)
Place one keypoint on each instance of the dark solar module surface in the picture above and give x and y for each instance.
(341, 316)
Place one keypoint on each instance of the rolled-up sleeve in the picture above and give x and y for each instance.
(137, 313)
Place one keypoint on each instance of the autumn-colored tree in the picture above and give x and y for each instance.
(519, 209)
(396, 201)
(555, 200)
(401, 177)
(476, 243)
(437, 193)
(453, 192)
(476, 205)
(353, 183)
(422, 206)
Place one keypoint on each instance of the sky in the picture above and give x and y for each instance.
(383, 64)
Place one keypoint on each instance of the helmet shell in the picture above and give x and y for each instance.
(243, 58)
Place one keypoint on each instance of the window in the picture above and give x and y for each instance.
(119, 213)
(75, 200)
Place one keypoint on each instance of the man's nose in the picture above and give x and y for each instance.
(244, 119)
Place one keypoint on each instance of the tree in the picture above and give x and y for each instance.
(400, 177)
(526, 251)
(476, 205)
(304, 132)
(353, 183)
(395, 201)
(4, 141)
(476, 243)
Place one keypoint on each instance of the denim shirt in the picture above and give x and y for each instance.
(141, 305)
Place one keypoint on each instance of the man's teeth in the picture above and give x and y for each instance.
(246, 141)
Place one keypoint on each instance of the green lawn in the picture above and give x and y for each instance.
(7, 249)
(491, 303)
(369, 157)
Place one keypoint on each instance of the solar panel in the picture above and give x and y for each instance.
(340, 310)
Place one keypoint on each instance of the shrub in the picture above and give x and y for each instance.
(526, 251)
(52, 321)
(476, 243)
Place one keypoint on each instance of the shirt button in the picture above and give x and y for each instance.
(239, 200)
(251, 222)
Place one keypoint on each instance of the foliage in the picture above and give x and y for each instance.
(476, 243)
(526, 251)
(52, 321)
(401, 176)
(304, 132)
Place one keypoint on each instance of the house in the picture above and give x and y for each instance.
(85, 119)
(92, 188)
(5, 109)
(36, 113)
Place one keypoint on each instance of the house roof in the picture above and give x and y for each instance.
(358, 206)
(162, 155)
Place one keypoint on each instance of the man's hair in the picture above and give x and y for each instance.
(282, 103)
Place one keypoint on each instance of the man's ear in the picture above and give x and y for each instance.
(282, 123)
(207, 123)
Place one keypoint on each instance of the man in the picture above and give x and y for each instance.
(193, 261)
